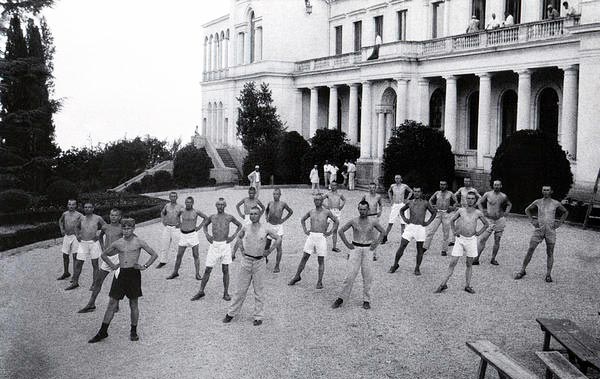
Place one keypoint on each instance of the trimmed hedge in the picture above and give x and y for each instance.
(61, 191)
(13, 200)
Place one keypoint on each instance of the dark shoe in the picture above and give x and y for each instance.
(475, 262)
(172, 276)
(198, 296)
(494, 262)
(64, 276)
(374, 257)
(441, 288)
(337, 303)
(319, 286)
(294, 280)
(266, 260)
(366, 305)
(393, 269)
(226, 297)
(72, 286)
(198, 277)
(469, 290)
(98, 337)
(384, 240)
(335, 249)
(548, 279)
(257, 323)
(117, 308)
(451, 244)
(520, 275)
(276, 269)
(227, 319)
(134, 337)
(87, 309)
(161, 265)
(444, 253)
(417, 272)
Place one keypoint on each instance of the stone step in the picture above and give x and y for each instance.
(226, 158)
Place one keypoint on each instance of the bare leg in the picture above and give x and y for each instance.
(527, 259)
(301, 266)
(196, 261)
(399, 254)
(278, 257)
(334, 239)
(180, 252)
(66, 264)
(469, 272)
(76, 272)
(110, 310)
(74, 261)
(420, 253)
(205, 278)
(549, 260)
(321, 261)
(451, 267)
(97, 286)
(95, 272)
(496, 248)
(225, 269)
(135, 315)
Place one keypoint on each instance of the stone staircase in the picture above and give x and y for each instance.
(162, 166)
(226, 158)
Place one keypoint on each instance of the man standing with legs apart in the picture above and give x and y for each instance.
(335, 203)
(415, 228)
(314, 180)
(170, 218)
(362, 246)
(252, 266)
(127, 280)
(398, 194)
(189, 237)
(375, 206)
(466, 240)
(497, 206)
(87, 236)
(109, 234)
(316, 243)
(254, 178)
(442, 201)
(461, 194)
(69, 224)
(545, 229)
(275, 218)
(220, 246)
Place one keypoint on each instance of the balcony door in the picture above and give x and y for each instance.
(554, 3)
(548, 112)
(513, 7)
(509, 114)
(473, 120)
(438, 20)
(478, 10)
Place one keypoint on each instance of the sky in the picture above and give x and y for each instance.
(127, 68)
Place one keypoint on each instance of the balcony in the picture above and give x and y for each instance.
(250, 69)
(465, 161)
(328, 63)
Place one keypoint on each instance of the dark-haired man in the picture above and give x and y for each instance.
(497, 205)
(335, 203)
(69, 224)
(375, 206)
(442, 201)
(170, 218)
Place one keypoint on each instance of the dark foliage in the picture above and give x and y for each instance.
(8, 159)
(191, 167)
(14, 200)
(331, 145)
(163, 181)
(61, 191)
(292, 147)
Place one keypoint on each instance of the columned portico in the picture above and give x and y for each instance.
(424, 100)
(314, 111)
(333, 108)
(524, 100)
(568, 132)
(365, 132)
(450, 111)
(483, 121)
(401, 111)
(353, 113)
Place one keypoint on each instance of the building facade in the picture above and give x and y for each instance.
(532, 72)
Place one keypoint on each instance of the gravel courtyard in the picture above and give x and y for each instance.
(409, 333)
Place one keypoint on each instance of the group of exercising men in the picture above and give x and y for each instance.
(467, 218)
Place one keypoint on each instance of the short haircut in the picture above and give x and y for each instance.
(88, 202)
(546, 185)
(497, 180)
(189, 198)
(417, 188)
(471, 193)
(255, 207)
(128, 221)
(372, 184)
(116, 210)
(221, 199)
(444, 181)
(75, 200)
(251, 189)
(172, 193)
(277, 189)
(363, 202)
(333, 181)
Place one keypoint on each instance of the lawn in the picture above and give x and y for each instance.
(410, 332)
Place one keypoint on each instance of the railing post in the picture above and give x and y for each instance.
(483, 38)
(523, 33)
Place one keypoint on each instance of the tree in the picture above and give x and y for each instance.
(420, 154)
(191, 167)
(292, 147)
(331, 145)
(525, 162)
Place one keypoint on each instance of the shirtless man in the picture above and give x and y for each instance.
(443, 202)
(127, 280)
(335, 203)
(545, 229)
(275, 218)
(415, 228)
(220, 248)
(398, 194)
(189, 236)
(363, 243)
(68, 223)
(170, 218)
(497, 206)
(461, 194)
(375, 206)
(248, 203)
(109, 234)
(316, 242)
(87, 236)
(252, 266)
(466, 239)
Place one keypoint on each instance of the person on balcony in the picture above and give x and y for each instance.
(509, 20)
(375, 53)
(473, 25)
(569, 10)
(494, 24)
(552, 14)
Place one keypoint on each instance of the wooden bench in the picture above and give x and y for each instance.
(505, 365)
(582, 348)
(558, 366)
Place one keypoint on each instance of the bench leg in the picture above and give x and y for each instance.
(547, 337)
(482, 368)
(549, 374)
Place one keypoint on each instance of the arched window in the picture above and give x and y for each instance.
(548, 112)
(436, 109)
(508, 107)
(473, 120)
(252, 36)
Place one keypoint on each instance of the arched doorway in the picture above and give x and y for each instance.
(473, 120)
(436, 109)
(388, 100)
(508, 116)
(548, 112)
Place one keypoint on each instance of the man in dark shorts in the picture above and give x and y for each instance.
(127, 280)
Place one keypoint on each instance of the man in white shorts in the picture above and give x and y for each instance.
(69, 223)
(170, 218)
(275, 219)
(415, 228)
(398, 194)
(335, 203)
(316, 242)
(466, 239)
(220, 247)
(375, 206)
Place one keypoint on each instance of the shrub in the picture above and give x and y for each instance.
(8, 181)
(331, 145)
(14, 200)
(191, 167)
(147, 183)
(163, 181)
(420, 154)
(61, 191)
(263, 157)
(8, 159)
(26, 236)
(135, 187)
(525, 162)
(292, 147)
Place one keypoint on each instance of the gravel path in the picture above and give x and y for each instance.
(409, 333)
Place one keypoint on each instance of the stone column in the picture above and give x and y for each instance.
(353, 113)
(205, 59)
(258, 45)
(220, 55)
(314, 111)
(401, 111)
(424, 100)
(568, 130)
(524, 100)
(380, 134)
(209, 58)
(215, 65)
(226, 52)
(365, 124)
(220, 129)
(447, 7)
(483, 122)
(450, 111)
(214, 133)
(389, 125)
(333, 108)
(247, 47)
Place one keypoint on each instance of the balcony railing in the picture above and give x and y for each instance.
(466, 160)
(331, 62)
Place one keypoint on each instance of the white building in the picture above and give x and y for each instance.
(477, 87)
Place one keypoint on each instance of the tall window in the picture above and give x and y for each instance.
(473, 108)
(436, 109)
(252, 37)
(438, 20)
(402, 25)
(554, 3)
(357, 35)
(478, 10)
(513, 7)
(338, 40)
(378, 27)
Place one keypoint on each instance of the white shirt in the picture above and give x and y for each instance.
(378, 40)
(509, 21)
(494, 24)
(351, 167)
(570, 12)
(314, 176)
(327, 168)
(333, 170)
